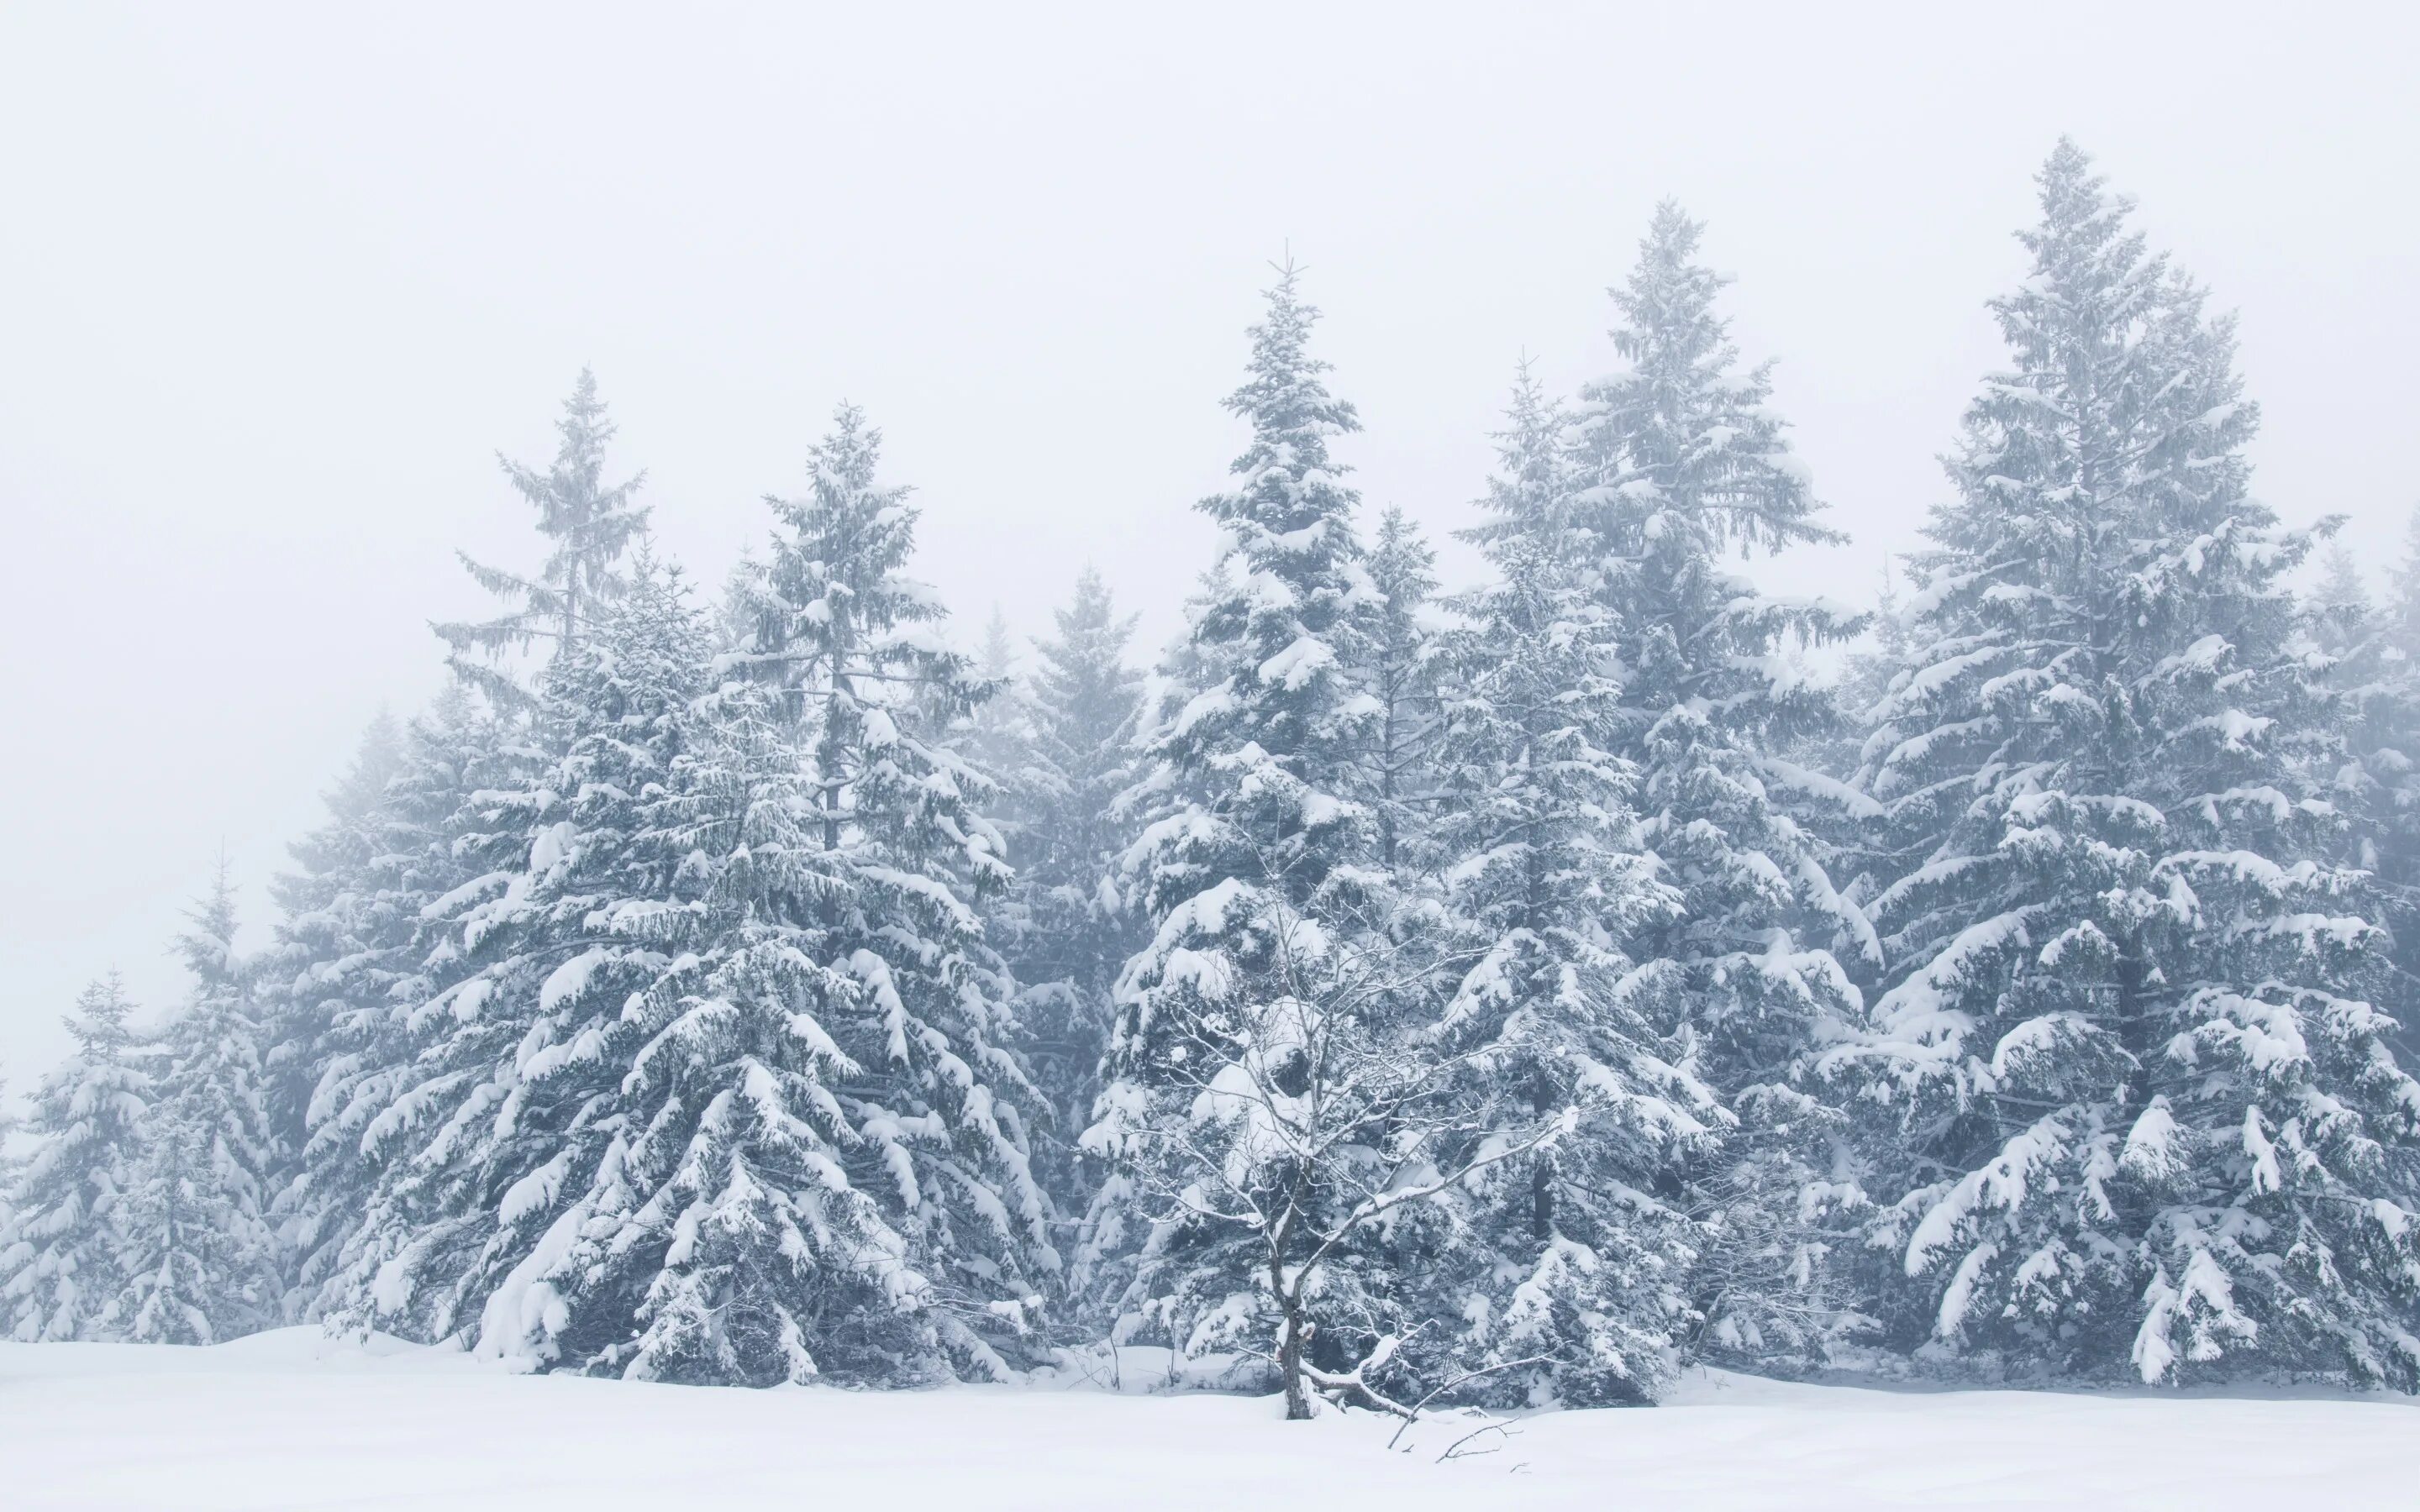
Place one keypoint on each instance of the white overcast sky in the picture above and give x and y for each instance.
(276, 284)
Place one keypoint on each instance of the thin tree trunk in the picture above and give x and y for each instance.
(1297, 1390)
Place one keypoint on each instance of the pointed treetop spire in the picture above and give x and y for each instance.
(209, 946)
(588, 523)
(998, 652)
(99, 1022)
(1284, 394)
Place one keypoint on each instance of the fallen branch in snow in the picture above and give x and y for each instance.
(1495, 1426)
(1420, 1406)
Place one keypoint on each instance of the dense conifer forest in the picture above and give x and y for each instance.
(1391, 992)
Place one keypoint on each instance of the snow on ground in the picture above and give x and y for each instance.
(288, 1420)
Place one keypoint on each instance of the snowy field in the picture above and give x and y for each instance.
(288, 1420)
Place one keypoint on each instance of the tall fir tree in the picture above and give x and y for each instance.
(1074, 926)
(2126, 1105)
(510, 1088)
(1259, 841)
(1270, 747)
(1111, 1230)
(412, 1064)
(754, 1219)
(336, 930)
(995, 732)
(59, 1276)
(1562, 1277)
(200, 1261)
(2351, 651)
(588, 926)
(2373, 665)
(193, 1273)
(996, 738)
(1406, 660)
(1680, 459)
(419, 1255)
(829, 1171)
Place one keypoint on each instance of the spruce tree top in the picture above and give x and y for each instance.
(834, 588)
(209, 946)
(1687, 453)
(2121, 426)
(1289, 540)
(1680, 459)
(855, 644)
(1272, 736)
(1083, 676)
(588, 524)
(100, 1020)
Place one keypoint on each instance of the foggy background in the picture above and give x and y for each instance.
(276, 284)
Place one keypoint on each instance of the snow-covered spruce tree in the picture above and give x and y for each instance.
(2355, 654)
(1561, 1275)
(1075, 929)
(192, 1277)
(2401, 609)
(412, 1064)
(604, 896)
(743, 1226)
(1858, 844)
(200, 1261)
(349, 933)
(2373, 665)
(505, 1105)
(2127, 1104)
(759, 1220)
(824, 1168)
(2389, 748)
(1318, 1129)
(996, 739)
(424, 1254)
(734, 617)
(686, 1176)
(1405, 657)
(58, 1256)
(334, 931)
(997, 736)
(588, 524)
(1111, 1229)
(2342, 616)
(1678, 461)
(1256, 869)
(10, 1163)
